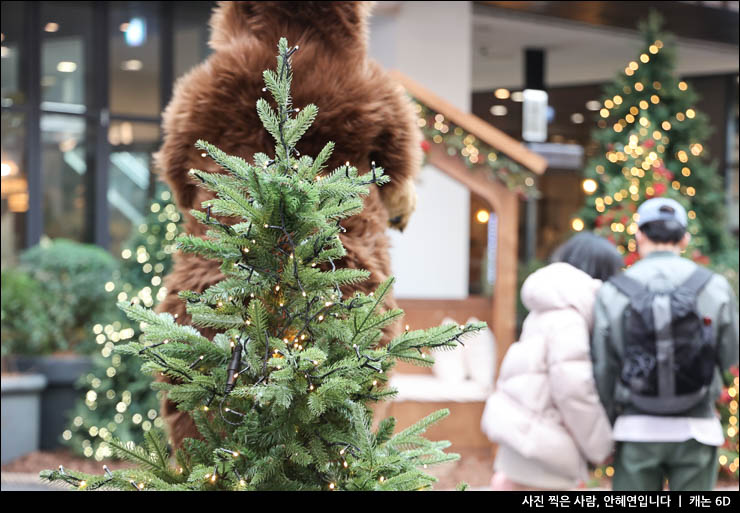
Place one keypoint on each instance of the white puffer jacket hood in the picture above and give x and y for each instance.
(546, 406)
(559, 286)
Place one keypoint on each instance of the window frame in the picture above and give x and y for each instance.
(97, 115)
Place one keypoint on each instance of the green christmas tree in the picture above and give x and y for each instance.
(116, 397)
(650, 144)
(281, 396)
(728, 405)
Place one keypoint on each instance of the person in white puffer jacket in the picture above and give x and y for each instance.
(545, 413)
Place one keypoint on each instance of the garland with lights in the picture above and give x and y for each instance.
(473, 152)
(650, 137)
(280, 396)
(117, 400)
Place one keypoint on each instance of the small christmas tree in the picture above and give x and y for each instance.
(281, 396)
(650, 144)
(116, 399)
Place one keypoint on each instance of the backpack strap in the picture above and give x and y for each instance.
(631, 288)
(697, 280)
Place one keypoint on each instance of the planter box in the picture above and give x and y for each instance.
(21, 414)
(60, 395)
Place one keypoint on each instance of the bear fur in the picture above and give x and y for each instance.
(361, 109)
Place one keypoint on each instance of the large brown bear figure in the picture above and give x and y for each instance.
(360, 109)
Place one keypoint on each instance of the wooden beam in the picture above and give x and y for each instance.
(507, 262)
(473, 124)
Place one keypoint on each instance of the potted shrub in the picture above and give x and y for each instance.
(71, 278)
(23, 322)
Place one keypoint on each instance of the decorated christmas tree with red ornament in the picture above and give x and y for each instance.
(651, 143)
(728, 406)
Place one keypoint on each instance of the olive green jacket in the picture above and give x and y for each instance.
(660, 272)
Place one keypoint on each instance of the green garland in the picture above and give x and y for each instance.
(473, 152)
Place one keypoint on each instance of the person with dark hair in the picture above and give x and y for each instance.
(545, 414)
(663, 331)
(590, 253)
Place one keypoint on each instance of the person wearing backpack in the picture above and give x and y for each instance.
(663, 331)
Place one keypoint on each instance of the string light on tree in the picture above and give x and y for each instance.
(639, 161)
(119, 398)
(658, 151)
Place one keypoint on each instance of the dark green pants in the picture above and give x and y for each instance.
(688, 466)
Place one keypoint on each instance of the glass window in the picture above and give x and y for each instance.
(134, 58)
(130, 180)
(66, 30)
(191, 33)
(12, 22)
(64, 171)
(482, 254)
(14, 186)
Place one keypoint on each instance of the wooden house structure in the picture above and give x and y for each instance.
(499, 310)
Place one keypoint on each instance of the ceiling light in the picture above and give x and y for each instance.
(127, 133)
(51, 27)
(132, 65)
(501, 94)
(593, 105)
(499, 110)
(66, 67)
(576, 118)
(517, 96)
(135, 34)
(6, 169)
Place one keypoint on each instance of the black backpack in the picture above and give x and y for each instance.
(669, 351)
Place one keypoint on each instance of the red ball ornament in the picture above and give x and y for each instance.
(425, 146)
(659, 188)
(664, 172)
(699, 258)
(725, 397)
(649, 143)
(631, 258)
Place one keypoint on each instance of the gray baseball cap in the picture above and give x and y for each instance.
(662, 209)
